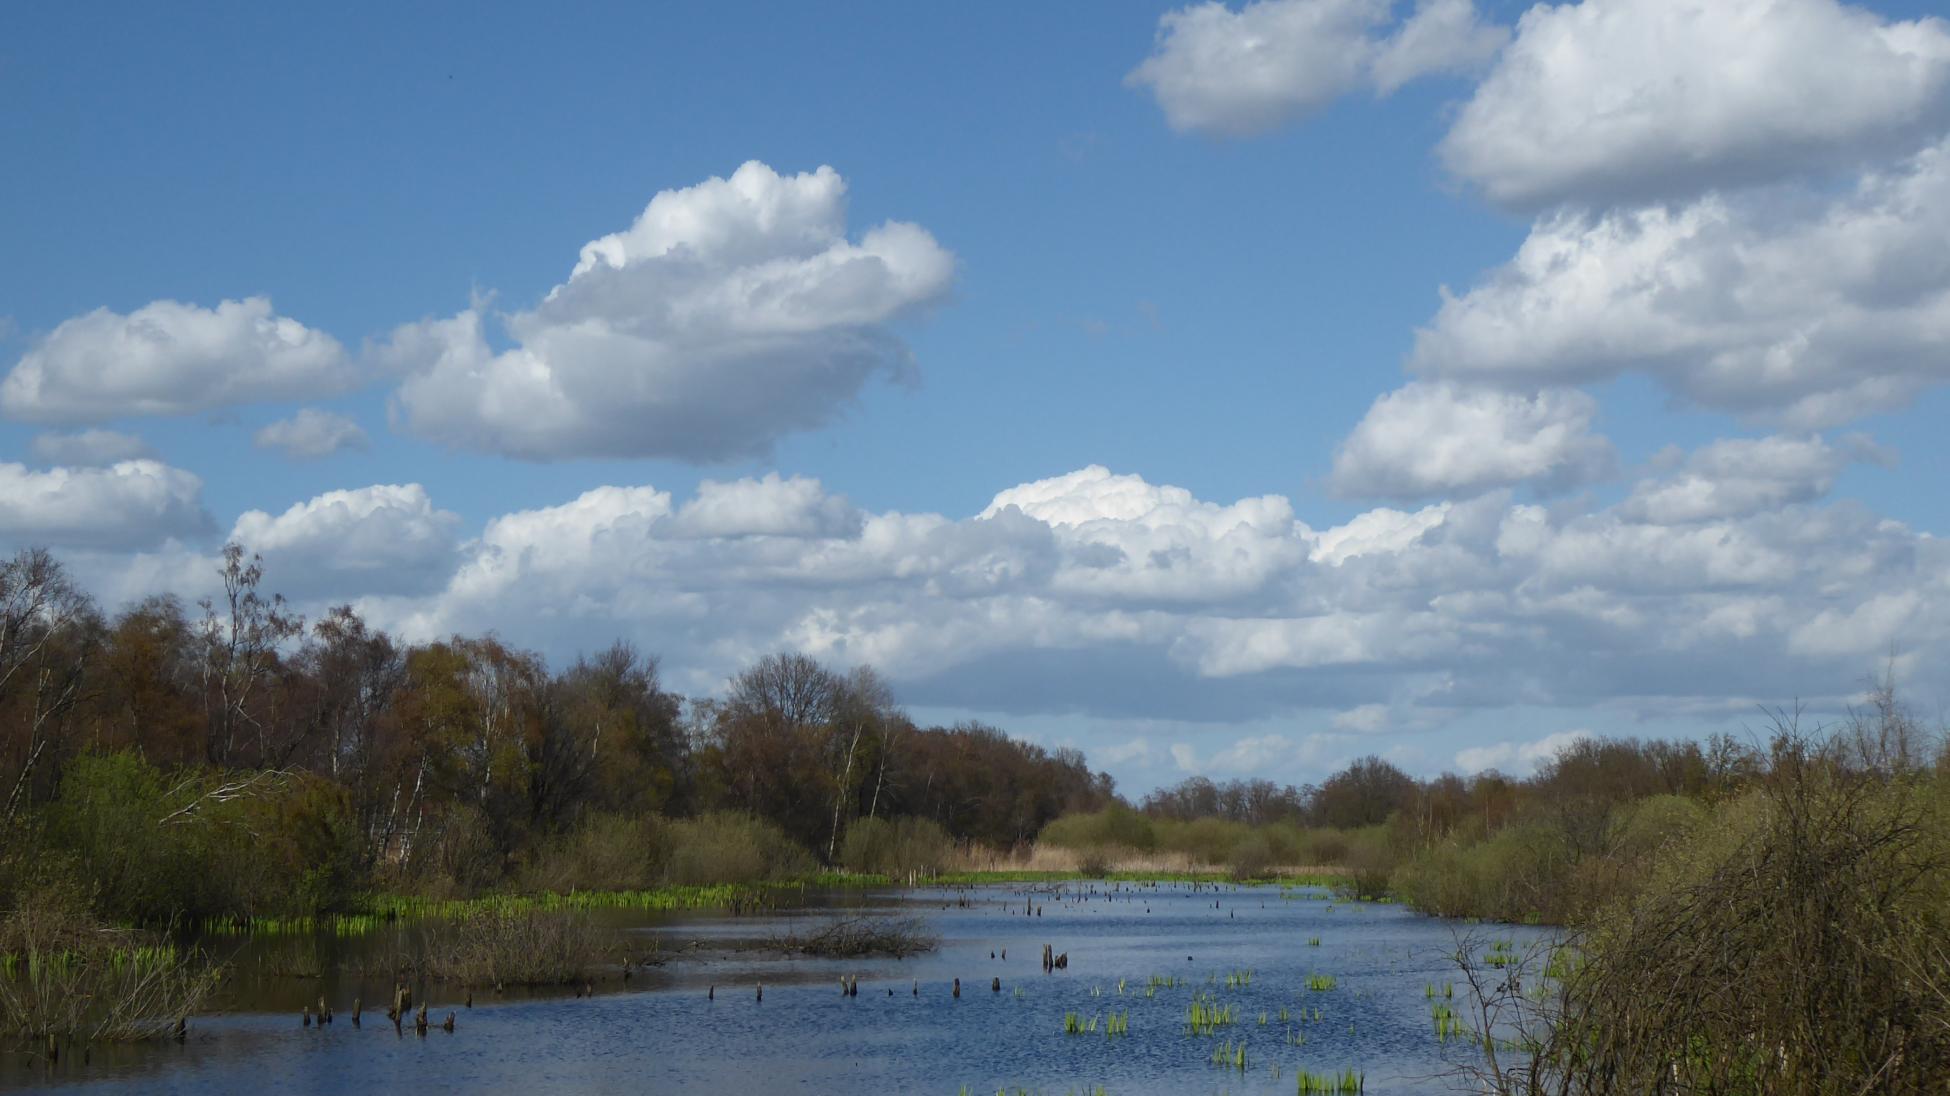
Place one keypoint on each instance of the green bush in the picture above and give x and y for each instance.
(1205, 840)
(157, 846)
(1520, 874)
(1116, 826)
(724, 847)
(1118, 829)
(308, 850)
(106, 814)
(896, 848)
(1252, 857)
(606, 852)
(1790, 943)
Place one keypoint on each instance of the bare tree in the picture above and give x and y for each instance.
(240, 638)
(865, 705)
(48, 634)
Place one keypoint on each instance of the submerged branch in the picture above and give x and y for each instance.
(860, 937)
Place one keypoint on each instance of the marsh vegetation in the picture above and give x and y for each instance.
(175, 778)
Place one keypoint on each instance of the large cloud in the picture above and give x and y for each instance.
(729, 314)
(1107, 595)
(1443, 439)
(1236, 73)
(130, 504)
(372, 540)
(1787, 308)
(170, 358)
(1645, 100)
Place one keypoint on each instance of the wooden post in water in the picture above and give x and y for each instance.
(355, 1011)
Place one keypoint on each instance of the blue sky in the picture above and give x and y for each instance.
(1192, 247)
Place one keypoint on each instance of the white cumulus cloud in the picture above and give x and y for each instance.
(1796, 309)
(381, 539)
(1650, 100)
(727, 315)
(171, 358)
(771, 506)
(1102, 594)
(1438, 438)
(1733, 477)
(128, 505)
(1234, 73)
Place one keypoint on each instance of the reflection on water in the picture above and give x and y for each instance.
(904, 1032)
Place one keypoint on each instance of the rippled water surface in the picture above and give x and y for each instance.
(904, 1032)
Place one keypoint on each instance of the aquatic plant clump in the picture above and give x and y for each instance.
(1331, 1084)
(861, 937)
(524, 948)
(1205, 1016)
(110, 994)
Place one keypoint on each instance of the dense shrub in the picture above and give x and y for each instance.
(156, 846)
(1116, 826)
(1252, 857)
(905, 846)
(1795, 943)
(723, 847)
(1517, 875)
(606, 852)
(1117, 830)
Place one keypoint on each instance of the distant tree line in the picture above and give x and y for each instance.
(462, 756)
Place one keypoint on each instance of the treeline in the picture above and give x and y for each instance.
(1761, 916)
(1552, 848)
(233, 758)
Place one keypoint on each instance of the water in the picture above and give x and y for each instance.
(662, 1033)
